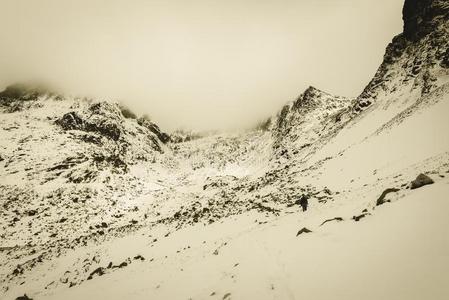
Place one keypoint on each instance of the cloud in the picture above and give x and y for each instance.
(197, 64)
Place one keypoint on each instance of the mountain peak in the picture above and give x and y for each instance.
(312, 96)
(309, 95)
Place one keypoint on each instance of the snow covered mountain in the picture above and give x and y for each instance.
(99, 204)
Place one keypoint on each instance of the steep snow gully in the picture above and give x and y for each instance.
(97, 203)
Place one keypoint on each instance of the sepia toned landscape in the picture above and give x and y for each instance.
(332, 197)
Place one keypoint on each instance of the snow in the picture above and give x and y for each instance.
(400, 253)
(89, 216)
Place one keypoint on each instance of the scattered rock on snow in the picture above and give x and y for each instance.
(357, 218)
(381, 199)
(420, 181)
(339, 219)
(304, 230)
(139, 257)
(99, 271)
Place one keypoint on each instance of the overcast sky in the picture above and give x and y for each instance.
(200, 64)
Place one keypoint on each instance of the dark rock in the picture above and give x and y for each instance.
(31, 212)
(24, 297)
(227, 296)
(304, 230)
(421, 17)
(327, 191)
(71, 121)
(105, 120)
(357, 218)
(106, 128)
(420, 181)
(122, 265)
(445, 60)
(14, 96)
(99, 271)
(18, 270)
(112, 160)
(91, 138)
(339, 219)
(381, 199)
(162, 136)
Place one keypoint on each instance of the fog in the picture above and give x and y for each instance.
(197, 64)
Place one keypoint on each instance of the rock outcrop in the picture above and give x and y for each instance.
(421, 17)
(102, 118)
(421, 181)
(312, 117)
(416, 57)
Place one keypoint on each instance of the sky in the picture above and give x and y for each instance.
(197, 64)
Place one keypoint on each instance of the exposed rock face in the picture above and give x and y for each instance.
(19, 92)
(66, 165)
(105, 119)
(164, 137)
(101, 124)
(312, 116)
(71, 121)
(422, 16)
(415, 58)
(18, 97)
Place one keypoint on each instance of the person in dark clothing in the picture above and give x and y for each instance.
(304, 202)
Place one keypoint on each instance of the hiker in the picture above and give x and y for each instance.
(304, 201)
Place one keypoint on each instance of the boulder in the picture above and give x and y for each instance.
(381, 199)
(24, 297)
(304, 230)
(420, 181)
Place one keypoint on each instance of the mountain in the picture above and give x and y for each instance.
(309, 120)
(100, 204)
(416, 61)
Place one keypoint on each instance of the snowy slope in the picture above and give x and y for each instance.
(378, 258)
